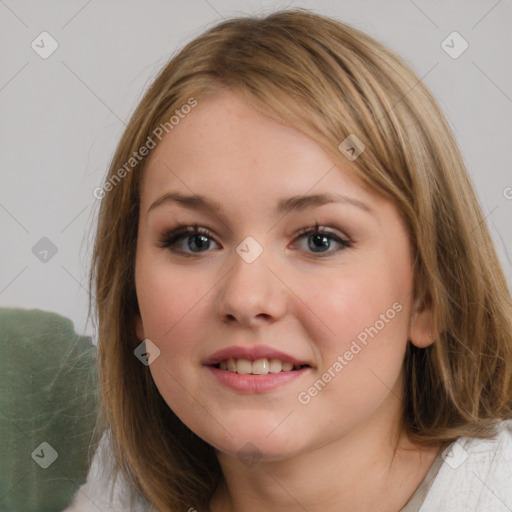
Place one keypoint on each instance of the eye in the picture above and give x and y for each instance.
(320, 239)
(189, 240)
(198, 239)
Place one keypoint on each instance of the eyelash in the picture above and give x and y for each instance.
(184, 231)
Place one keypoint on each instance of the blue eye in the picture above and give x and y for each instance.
(199, 239)
(320, 238)
(196, 237)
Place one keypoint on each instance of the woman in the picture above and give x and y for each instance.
(300, 306)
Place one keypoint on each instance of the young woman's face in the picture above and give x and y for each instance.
(233, 306)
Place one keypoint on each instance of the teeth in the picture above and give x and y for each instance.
(243, 366)
(287, 367)
(275, 366)
(258, 367)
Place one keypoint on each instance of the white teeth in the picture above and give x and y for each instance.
(243, 366)
(287, 367)
(275, 366)
(259, 367)
(231, 365)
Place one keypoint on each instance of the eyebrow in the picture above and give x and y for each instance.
(284, 206)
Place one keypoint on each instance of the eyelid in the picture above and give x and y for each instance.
(181, 230)
(322, 230)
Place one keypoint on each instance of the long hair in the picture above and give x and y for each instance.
(330, 81)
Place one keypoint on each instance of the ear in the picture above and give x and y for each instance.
(421, 330)
(139, 328)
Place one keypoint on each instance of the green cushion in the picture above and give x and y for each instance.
(48, 394)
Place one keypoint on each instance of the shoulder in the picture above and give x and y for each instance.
(101, 491)
(476, 475)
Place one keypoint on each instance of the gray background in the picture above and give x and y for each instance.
(61, 117)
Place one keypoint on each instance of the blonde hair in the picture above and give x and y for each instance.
(330, 81)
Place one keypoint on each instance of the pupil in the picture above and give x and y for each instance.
(201, 245)
(319, 242)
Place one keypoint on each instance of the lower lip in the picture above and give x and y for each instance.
(256, 383)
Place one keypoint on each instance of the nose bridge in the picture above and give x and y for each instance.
(250, 288)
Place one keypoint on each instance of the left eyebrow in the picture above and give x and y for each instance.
(301, 203)
(284, 206)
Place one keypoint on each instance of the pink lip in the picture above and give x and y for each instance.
(256, 383)
(252, 354)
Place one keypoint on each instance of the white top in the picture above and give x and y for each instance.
(475, 476)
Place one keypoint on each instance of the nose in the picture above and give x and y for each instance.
(251, 294)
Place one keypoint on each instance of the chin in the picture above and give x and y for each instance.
(256, 440)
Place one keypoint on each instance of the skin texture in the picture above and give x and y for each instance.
(337, 452)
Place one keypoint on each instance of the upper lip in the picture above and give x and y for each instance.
(252, 354)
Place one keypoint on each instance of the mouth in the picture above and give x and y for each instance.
(258, 376)
(256, 369)
(263, 366)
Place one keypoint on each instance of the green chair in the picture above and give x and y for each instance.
(48, 407)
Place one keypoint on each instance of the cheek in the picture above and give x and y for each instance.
(361, 346)
(361, 337)
(173, 306)
(170, 302)
(352, 305)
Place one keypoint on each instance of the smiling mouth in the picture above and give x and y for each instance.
(258, 367)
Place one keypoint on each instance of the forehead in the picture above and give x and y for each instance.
(227, 133)
(225, 143)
